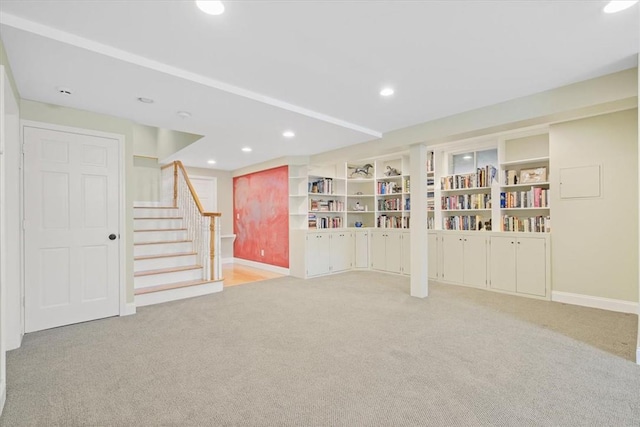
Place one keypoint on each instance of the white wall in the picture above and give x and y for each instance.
(594, 242)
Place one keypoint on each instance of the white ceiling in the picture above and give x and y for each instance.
(314, 67)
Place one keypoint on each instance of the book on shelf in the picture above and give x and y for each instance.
(406, 183)
(385, 221)
(407, 204)
(329, 222)
(321, 186)
(389, 187)
(482, 178)
(313, 221)
(466, 201)
(536, 197)
(535, 224)
(430, 161)
(389, 204)
(465, 223)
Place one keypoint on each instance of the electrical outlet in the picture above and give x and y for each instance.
(237, 216)
(261, 252)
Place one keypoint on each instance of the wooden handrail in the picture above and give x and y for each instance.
(177, 164)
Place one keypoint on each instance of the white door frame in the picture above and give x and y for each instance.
(122, 241)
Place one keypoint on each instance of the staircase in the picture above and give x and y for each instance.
(165, 260)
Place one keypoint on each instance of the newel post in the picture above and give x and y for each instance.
(212, 247)
(175, 184)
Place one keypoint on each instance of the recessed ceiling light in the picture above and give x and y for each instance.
(64, 90)
(184, 114)
(617, 6)
(387, 91)
(211, 162)
(210, 7)
(146, 100)
(247, 149)
(288, 134)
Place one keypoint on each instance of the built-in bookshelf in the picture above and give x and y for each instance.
(466, 199)
(431, 188)
(393, 193)
(524, 184)
(361, 197)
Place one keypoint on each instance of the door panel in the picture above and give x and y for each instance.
(406, 253)
(503, 263)
(452, 258)
(394, 252)
(206, 190)
(71, 206)
(378, 249)
(432, 251)
(531, 266)
(362, 249)
(475, 260)
(341, 250)
(318, 254)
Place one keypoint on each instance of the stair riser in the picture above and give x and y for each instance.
(158, 263)
(163, 249)
(167, 278)
(155, 213)
(157, 224)
(159, 236)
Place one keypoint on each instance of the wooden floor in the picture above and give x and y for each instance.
(236, 274)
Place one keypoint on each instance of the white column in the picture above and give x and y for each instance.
(638, 345)
(418, 171)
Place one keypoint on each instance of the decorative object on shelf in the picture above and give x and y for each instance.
(487, 225)
(363, 171)
(358, 207)
(392, 171)
(358, 224)
(533, 175)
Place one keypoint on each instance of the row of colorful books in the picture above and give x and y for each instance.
(535, 224)
(466, 201)
(536, 197)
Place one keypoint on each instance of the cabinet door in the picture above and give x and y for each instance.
(393, 252)
(341, 250)
(361, 249)
(503, 263)
(531, 269)
(318, 254)
(378, 246)
(432, 254)
(475, 260)
(452, 258)
(406, 253)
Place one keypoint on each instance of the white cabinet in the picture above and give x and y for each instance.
(519, 264)
(341, 249)
(318, 254)
(386, 250)
(327, 252)
(361, 256)
(464, 259)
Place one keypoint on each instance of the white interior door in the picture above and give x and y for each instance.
(206, 190)
(71, 216)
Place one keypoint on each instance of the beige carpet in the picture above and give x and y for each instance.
(346, 350)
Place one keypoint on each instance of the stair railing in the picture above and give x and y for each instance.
(203, 228)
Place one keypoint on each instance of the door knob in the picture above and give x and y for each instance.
(112, 236)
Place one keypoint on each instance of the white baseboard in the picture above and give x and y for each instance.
(595, 302)
(3, 395)
(128, 309)
(227, 260)
(268, 267)
(14, 341)
(179, 293)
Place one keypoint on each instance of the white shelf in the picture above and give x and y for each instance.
(297, 195)
(526, 209)
(528, 184)
(326, 212)
(467, 190)
(390, 194)
(361, 195)
(361, 179)
(526, 161)
(465, 210)
(298, 177)
(325, 194)
(361, 212)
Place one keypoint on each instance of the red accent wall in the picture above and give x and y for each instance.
(261, 216)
